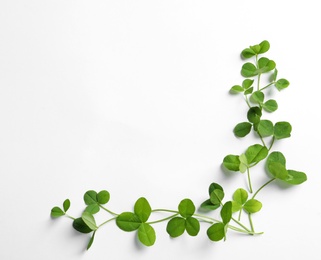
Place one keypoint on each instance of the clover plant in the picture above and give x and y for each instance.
(185, 219)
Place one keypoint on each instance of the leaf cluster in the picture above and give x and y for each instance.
(185, 221)
(137, 220)
(185, 217)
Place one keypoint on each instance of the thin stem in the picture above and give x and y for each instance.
(259, 75)
(70, 217)
(240, 224)
(268, 85)
(165, 210)
(251, 222)
(163, 219)
(258, 81)
(247, 101)
(239, 230)
(244, 230)
(109, 211)
(106, 221)
(262, 140)
(206, 217)
(239, 218)
(265, 184)
(272, 142)
(249, 179)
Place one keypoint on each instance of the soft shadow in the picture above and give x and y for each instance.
(242, 58)
(138, 245)
(83, 239)
(70, 234)
(280, 184)
(227, 173)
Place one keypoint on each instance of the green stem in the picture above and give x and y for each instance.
(109, 211)
(262, 140)
(247, 101)
(272, 142)
(265, 184)
(240, 224)
(204, 218)
(251, 222)
(258, 81)
(163, 219)
(244, 230)
(70, 217)
(239, 218)
(259, 75)
(106, 222)
(249, 179)
(165, 210)
(268, 85)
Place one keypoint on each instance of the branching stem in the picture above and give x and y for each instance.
(109, 211)
(249, 179)
(264, 185)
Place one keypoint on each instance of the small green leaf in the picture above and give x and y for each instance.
(282, 130)
(236, 206)
(270, 105)
(243, 163)
(257, 97)
(176, 227)
(282, 84)
(90, 197)
(240, 196)
(57, 212)
(217, 196)
(142, 209)
(256, 153)
(247, 53)
(79, 225)
(275, 75)
(216, 232)
(232, 162)
(103, 197)
(265, 128)
(248, 91)
(226, 212)
(92, 208)
(256, 48)
(295, 177)
(146, 234)
(208, 205)
(91, 240)
(276, 157)
(89, 219)
(237, 89)
(186, 208)
(254, 115)
(66, 205)
(252, 206)
(249, 70)
(192, 226)
(213, 186)
(264, 47)
(247, 83)
(128, 221)
(242, 129)
(265, 65)
(277, 170)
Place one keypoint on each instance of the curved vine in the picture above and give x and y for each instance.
(243, 200)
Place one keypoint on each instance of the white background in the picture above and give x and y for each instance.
(132, 97)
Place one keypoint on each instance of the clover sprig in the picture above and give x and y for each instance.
(185, 219)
